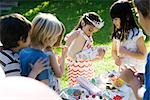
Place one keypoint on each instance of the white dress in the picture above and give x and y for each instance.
(130, 44)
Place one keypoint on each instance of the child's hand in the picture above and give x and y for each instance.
(37, 67)
(118, 61)
(101, 52)
(39, 64)
(140, 77)
(64, 51)
(123, 50)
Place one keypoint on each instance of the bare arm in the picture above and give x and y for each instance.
(58, 66)
(114, 49)
(70, 37)
(114, 52)
(140, 54)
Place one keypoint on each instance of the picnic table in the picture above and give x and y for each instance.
(99, 88)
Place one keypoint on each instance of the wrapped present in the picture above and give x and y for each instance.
(89, 54)
(89, 86)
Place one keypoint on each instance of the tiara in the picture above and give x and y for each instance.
(97, 24)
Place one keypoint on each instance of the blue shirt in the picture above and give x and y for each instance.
(147, 79)
(31, 55)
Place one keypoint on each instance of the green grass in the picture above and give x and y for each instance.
(69, 11)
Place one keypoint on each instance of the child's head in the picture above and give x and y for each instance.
(122, 11)
(47, 31)
(122, 17)
(14, 30)
(90, 22)
(143, 9)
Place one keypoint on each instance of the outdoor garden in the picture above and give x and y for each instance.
(69, 11)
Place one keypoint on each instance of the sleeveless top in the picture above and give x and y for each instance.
(81, 43)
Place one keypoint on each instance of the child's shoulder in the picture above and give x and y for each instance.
(141, 34)
(73, 34)
(78, 31)
(136, 33)
(32, 51)
(8, 57)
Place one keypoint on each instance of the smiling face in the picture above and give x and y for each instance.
(117, 23)
(89, 29)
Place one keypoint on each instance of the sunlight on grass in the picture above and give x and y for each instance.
(37, 9)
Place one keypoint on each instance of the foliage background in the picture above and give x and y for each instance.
(69, 11)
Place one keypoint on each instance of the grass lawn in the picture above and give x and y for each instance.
(69, 11)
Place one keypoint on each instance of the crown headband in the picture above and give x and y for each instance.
(97, 24)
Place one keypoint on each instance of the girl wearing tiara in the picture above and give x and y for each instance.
(128, 48)
(80, 47)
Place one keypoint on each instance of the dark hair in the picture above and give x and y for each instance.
(91, 15)
(143, 6)
(13, 27)
(123, 11)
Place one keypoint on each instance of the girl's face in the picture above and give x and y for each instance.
(89, 29)
(117, 23)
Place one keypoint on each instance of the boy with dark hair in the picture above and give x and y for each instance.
(15, 29)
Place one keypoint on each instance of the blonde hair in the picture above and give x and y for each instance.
(46, 25)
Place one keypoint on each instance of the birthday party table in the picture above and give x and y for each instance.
(99, 88)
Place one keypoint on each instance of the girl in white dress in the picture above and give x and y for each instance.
(128, 48)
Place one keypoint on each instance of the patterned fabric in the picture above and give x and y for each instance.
(9, 61)
(80, 68)
(147, 79)
(31, 55)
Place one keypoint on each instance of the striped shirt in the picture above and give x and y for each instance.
(9, 61)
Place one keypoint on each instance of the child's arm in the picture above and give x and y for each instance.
(37, 67)
(140, 54)
(114, 52)
(70, 37)
(114, 49)
(58, 64)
